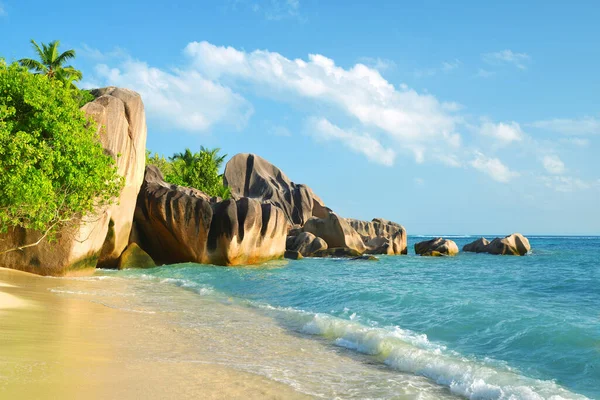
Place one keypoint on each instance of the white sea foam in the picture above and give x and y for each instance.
(413, 353)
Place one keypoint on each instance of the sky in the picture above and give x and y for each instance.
(466, 117)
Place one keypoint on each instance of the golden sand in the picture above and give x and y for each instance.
(59, 347)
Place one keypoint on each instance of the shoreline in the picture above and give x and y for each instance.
(55, 346)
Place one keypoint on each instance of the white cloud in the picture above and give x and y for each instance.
(575, 127)
(503, 132)
(182, 99)
(483, 73)
(565, 184)
(553, 164)
(447, 66)
(274, 10)
(519, 60)
(380, 64)
(575, 141)
(322, 129)
(279, 130)
(493, 167)
(412, 120)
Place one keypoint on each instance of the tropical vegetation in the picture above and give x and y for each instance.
(52, 63)
(54, 169)
(199, 170)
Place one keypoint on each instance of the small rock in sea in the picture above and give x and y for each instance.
(436, 247)
(293, 255)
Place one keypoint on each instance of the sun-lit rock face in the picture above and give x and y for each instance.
(381, 236)
(335, 231)
(248, 175)
(436, 247)
(177, 224)
(100, 238)
(515, 244)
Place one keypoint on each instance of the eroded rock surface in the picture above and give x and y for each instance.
(336, 232)
(248, 175)
(177, 224)
(381, 236)
(478, 246)
(515, 244)
(305, 243)
(436, 247)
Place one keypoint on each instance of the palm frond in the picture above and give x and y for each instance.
(74, 74)
(53, 49)
(61, 59)
(33, 65)
(37, 49)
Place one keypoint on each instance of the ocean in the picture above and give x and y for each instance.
(473, 326)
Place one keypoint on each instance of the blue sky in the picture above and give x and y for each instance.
(464, 118)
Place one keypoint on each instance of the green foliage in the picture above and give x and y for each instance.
(51, 63)
(83, 97)
(159, 161)
(53, 166)
(198, 170)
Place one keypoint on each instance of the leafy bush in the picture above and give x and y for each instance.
(198, 170)
(53, 166)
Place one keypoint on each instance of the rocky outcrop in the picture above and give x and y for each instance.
(177, 224)
(305, 243)
(135, 257)
(101, 238)
(248, 175)
(515, 244)
(292, 255)
(381, 236)
(478, 246)
(335, 231)
(337, 252)
(436, 247)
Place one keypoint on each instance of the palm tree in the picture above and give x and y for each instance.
(51, 63)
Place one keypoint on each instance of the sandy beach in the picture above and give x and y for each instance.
(59, 347)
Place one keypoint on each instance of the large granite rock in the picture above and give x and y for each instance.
(248, 175)
(305, 243)
(100, 238)
(478, 246)
(135, 257)
(515, 244)
(177, 224)
(381, 236)
(436, 247)
(335, 231)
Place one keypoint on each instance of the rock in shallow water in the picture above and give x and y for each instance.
(335, 231)
(515, 244)
(381, 236)
(306, 243)
(135, 257)
(177, 224)
(436, 247)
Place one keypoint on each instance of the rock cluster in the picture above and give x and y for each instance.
(381, 236)
(515, 244)
(176, 224)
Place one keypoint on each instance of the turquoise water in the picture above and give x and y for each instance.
(482, 326)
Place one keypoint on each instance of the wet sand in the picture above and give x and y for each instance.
(54, 346)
